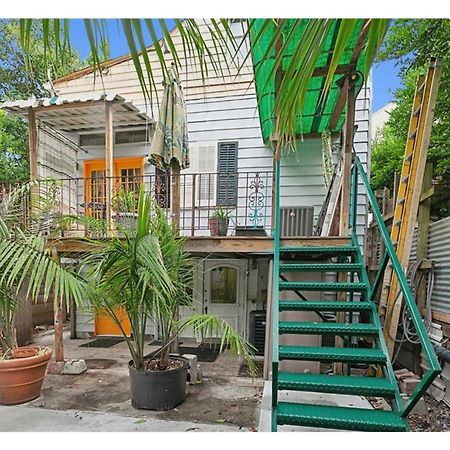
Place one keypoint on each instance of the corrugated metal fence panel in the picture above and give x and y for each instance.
(439, 251)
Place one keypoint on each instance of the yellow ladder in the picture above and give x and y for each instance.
(408, 196)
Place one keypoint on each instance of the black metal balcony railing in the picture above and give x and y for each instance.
(244, 197)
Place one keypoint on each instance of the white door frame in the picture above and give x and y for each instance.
(240, 314)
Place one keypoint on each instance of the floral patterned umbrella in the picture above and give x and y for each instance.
(169, 147)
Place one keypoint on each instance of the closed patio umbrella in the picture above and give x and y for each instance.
(169, 148)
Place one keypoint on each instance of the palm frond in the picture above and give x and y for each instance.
(214, 326)
(25, 259)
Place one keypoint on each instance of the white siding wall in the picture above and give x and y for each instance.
(362, 148)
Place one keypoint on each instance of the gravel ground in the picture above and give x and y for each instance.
(436, 419)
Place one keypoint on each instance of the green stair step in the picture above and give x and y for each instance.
(342, 250)
(330, 354)
(356, 419)
(347, 329)
(329, 267)
(300, 305)
(320, 286)
(337, 384)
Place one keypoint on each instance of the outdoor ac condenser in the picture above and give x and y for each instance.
(297, 222)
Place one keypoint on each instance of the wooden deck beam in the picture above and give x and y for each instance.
(229, 244)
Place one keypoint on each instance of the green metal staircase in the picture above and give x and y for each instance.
(361, 322)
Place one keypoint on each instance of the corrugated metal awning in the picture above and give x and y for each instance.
(81, 112)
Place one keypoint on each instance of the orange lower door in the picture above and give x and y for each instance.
(106, 326)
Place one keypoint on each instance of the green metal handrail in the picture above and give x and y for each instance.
(433, 364)
(275, 293)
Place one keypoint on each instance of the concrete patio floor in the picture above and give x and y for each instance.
(222, 400)
(99, 399)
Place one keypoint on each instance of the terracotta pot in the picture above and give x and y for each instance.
(21, 379)
(24, 352)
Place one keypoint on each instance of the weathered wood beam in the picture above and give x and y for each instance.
(440, 316)
(63, 106)
(109, 169)
(33, 144)
(97, 126)
(321, 72)
(276, 141)
(353, 61)
(344, 219)
(117, 113)
(347, 159)
(175, 194)
(207, 244)
(58, 320)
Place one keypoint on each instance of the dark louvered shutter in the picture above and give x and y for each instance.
(227, 174)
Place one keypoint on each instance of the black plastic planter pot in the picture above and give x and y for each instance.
(158, 390)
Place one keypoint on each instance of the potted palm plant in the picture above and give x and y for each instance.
(26, 268)
(147, 274)
(218, 222)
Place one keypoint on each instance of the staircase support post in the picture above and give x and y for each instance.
(344, 222)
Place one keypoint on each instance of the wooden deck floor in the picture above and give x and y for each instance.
(228, 244)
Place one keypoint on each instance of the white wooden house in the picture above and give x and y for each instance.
(231, 166)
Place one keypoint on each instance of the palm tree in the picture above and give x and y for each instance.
(144, 272)
(27, 259)
(277, 38)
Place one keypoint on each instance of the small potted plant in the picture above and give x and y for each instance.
(124, 204)
(27, 268)
(218, 222)
(148, 275)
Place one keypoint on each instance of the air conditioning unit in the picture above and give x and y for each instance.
(297, 222)
(258, 330)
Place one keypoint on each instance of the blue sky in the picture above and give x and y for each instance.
(385, 75)
(385, 81)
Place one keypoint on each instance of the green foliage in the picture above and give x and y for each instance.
(387, 158)
(23, 74)
(103, 55)
(413, 42)
(26, 261)
(14, 165)
(220, 213)
(147, 273)
(124, 201)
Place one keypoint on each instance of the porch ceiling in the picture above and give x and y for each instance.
(80, 113)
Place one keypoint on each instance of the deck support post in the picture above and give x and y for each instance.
(276, 138)
(175, 193)
(58, 321)
(33, 144)
(109, 169)
(423, 221)
(344, 221)
(268, 336)
(175, 206)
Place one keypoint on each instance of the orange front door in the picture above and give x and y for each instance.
(106, 326)
(127, 173)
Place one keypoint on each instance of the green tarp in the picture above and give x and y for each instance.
(314, 118)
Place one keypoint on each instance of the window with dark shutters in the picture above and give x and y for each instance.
(227, 178)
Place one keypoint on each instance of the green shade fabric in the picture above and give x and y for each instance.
(170, 142)
(315, 117)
